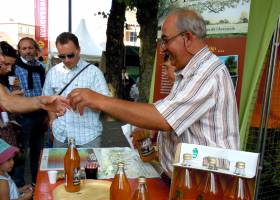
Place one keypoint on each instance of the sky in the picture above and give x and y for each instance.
(23, 11)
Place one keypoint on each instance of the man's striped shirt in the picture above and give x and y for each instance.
(201, 108)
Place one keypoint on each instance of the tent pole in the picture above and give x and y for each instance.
(266, 104)
(70, 15)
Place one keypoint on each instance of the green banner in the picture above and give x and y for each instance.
(262, 22)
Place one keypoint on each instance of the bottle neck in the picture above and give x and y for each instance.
(120, 171)
(142, 187)
(240, 171)
(187, 179)
(241, 192)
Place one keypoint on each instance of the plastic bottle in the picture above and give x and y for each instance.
(211, 187)
(72, 167)
(145, 147)
(239, 189)
(187, 186)
(120, 188)
(142, 192)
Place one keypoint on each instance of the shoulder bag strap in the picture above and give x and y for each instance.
(72, 79)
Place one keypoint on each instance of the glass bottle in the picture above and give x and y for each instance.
(72, 167)
(211, 188)
(120, 188)
(145, 147)
(142, 192)
(239, 189)
(186, 187)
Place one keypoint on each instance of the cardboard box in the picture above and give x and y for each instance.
(226, 165)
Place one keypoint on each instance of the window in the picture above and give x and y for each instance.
(131, 36)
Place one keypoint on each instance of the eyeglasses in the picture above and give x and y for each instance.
(69, 56)
(165, 41)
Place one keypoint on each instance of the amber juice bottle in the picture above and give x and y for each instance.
(239, 189)
(72, 167)
(211, 188)
(145, 147)
(186, 188)
(142, 192)
(120, 188)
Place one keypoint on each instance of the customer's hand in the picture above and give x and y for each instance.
(56, 104)
(26, 192)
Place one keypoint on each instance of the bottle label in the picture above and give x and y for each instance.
(146, 147)
(76, 176)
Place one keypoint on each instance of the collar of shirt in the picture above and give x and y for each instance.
(26, 62)
(192, 64)
(78, 66)
(23, 60)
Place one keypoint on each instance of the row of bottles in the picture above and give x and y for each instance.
(210, 187)
(120, 188)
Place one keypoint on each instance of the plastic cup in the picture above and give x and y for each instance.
(5, 117)
(52, 176)
(11, 80)
(91, 169)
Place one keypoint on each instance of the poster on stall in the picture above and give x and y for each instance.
(231, 52)
(221, 16)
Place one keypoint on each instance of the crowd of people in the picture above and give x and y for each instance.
(200, 109)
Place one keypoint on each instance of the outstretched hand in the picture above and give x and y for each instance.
(57, 104)
(82, 98)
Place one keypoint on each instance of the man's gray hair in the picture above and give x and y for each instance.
(190, 21)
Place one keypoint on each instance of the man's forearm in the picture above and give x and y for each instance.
(138, 114)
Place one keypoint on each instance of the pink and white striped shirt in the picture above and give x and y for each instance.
(201, 108)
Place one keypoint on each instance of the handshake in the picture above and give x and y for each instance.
(77, 100)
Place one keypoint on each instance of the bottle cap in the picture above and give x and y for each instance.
(142, 179)
(240, 165)
(187, 156)
(212, 161)
(120, 164)
(71, 140)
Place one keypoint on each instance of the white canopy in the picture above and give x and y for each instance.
(88, 46)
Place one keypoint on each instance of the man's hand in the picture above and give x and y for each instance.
(56, 104)
(81, 98)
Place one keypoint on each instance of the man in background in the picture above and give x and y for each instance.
(31, 75)
(86, 129)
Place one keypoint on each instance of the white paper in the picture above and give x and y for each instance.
(127, 130)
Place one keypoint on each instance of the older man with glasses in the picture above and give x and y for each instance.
(71, 73)
(201, 107)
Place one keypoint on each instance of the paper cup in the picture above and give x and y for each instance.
(11, 80)
(5, 117)
(52, 176)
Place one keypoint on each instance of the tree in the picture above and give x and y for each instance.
(147, 18)
(114, 45)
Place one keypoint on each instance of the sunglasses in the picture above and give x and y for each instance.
(69, 56)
